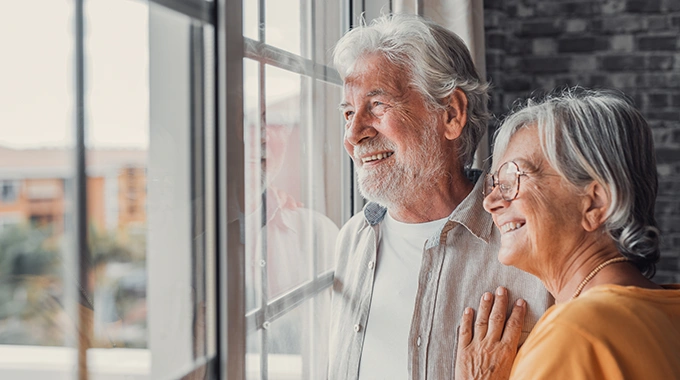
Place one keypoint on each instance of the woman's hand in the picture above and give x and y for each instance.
(488, 350)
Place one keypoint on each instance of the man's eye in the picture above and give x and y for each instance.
(348, 114)
(378, 108)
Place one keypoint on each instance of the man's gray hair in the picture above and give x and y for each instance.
(600, 136)
(436, 60)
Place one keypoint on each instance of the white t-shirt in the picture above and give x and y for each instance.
(400, 251)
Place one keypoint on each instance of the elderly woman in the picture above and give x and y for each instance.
(572, 191)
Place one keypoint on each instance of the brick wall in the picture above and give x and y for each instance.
(630, 45)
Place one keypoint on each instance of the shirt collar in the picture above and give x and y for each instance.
(374, 213)
(469, 213)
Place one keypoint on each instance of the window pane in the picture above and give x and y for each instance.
(294, 193)
(118, 142)
(329, 27)
(296, 343)
(251, 19)
(37, 161)
(327, 190)
(284, 25)
(255, 166)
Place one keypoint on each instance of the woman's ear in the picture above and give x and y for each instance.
(595, 206)
(456, 114)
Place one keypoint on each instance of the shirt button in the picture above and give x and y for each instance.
(371, 264)
(418, 342)
(357, 327)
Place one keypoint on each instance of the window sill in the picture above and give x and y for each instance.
(36, 362)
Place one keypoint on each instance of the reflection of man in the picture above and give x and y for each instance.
(283, 238)
(423, 248)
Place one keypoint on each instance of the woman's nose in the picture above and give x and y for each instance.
(494, 201)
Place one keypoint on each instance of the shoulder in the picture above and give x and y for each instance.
(605, 314)
(590, 312)
(353, 235)
(607, 330)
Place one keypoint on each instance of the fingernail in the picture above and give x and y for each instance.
(487, 296)
(500, 291)
(520, 302)
(468, 310)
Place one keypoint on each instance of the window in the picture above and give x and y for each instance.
(9, 191)
(293, 183)
(177, 208)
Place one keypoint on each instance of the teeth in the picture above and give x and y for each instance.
(511, 226)
(378, 156)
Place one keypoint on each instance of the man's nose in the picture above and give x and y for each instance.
(360, 127)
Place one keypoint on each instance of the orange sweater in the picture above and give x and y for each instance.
(609, 332)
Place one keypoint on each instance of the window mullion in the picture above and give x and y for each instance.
(231, 190)
(264, 284)
(281, 305)
(82, 252)
(282, 59)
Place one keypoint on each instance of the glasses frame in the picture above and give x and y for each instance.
(491, 182)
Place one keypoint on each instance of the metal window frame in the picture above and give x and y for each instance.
(231, 348)
(200, 10)
(82, 252)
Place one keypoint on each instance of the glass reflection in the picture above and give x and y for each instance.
(285, 233)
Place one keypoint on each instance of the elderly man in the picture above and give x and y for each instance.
(423, 248)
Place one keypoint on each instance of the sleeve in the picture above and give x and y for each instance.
(557, 351)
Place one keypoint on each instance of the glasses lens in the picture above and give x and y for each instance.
(508, 175)
(488, 184)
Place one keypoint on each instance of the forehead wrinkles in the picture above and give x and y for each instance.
(377, 73)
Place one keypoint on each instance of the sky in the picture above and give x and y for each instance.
(37, 88)
(37, 73)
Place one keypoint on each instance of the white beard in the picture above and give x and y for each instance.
(410, 176)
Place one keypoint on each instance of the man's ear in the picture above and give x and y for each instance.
(456, 114)
(596, 203)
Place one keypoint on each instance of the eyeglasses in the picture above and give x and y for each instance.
(507, 180)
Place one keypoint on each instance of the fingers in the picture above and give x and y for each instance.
(482, 321)
(513, 329)
(497, 317)
(465, 329)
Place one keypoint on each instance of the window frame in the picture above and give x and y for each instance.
(233, 47)
(230, 47)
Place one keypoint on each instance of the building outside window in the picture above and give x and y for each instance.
(9, 191)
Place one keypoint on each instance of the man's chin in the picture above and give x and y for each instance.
(377, 194)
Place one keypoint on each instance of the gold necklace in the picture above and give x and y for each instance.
(594, 272)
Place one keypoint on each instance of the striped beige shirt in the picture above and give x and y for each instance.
(458, 265)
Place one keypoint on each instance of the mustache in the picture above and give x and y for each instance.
(372, 146)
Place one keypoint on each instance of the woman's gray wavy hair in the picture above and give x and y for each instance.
(589, 135)
(436, 59)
